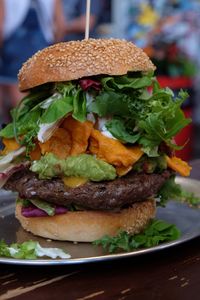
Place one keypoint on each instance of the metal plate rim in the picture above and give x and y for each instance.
(108, 257)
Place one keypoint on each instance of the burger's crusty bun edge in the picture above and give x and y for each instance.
(87, 226)
(76, 59)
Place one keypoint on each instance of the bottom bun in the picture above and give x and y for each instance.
(87, 226)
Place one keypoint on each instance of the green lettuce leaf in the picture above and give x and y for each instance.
(43, 205)
(23, 202)
(79, 106)
(57, 110)
(190, 198)
(27, 126)
(65, 88)
(29, 250)
(157, 232)
(8, 131)
(77, 99)
(21, 114)
(26, 123)
(125, 82)
(61, 105)
(110, 103)
(37, 95)
(118, 129)
(25, 117)
(169, 190)
(172, 190)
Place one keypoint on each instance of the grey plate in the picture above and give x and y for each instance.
(186, 219)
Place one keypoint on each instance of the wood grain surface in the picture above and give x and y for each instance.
(170, 274)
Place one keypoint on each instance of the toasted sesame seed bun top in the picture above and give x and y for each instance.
(76, 59)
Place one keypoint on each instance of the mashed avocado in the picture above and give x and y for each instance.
(82, 165)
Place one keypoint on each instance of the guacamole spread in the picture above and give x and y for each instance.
(82, 165)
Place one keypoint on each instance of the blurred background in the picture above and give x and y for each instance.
(167, 30)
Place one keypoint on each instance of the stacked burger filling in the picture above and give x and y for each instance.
(96, 143)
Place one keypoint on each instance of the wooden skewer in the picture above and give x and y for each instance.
(87, 23)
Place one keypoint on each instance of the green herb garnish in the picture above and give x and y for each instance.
(173, 190)
(29, 250)
(157, 232)
(190, 198)
(138, 116)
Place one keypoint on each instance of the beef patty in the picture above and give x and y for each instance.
(92, 195)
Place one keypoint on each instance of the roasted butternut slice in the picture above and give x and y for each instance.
(113, 151)
(178, 165)
(59, 144)
(79, 132)
(10, 145)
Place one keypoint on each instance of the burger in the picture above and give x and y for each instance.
(91, 145)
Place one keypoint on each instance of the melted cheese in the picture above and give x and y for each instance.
(74, 182)
(121, 171)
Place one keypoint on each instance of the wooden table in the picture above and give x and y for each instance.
(169, 274)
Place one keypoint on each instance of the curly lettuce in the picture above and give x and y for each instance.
(138, 115)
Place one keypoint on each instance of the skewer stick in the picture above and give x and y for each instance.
(87, 23)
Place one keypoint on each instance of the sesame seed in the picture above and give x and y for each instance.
(88, 57)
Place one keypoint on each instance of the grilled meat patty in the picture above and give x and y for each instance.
(105, 195)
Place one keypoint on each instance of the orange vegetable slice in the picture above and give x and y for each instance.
(59, 144)
(80, 133)
(113, 151)
(10, 145)
(35, 154)
(121, 171)
(178, 165)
